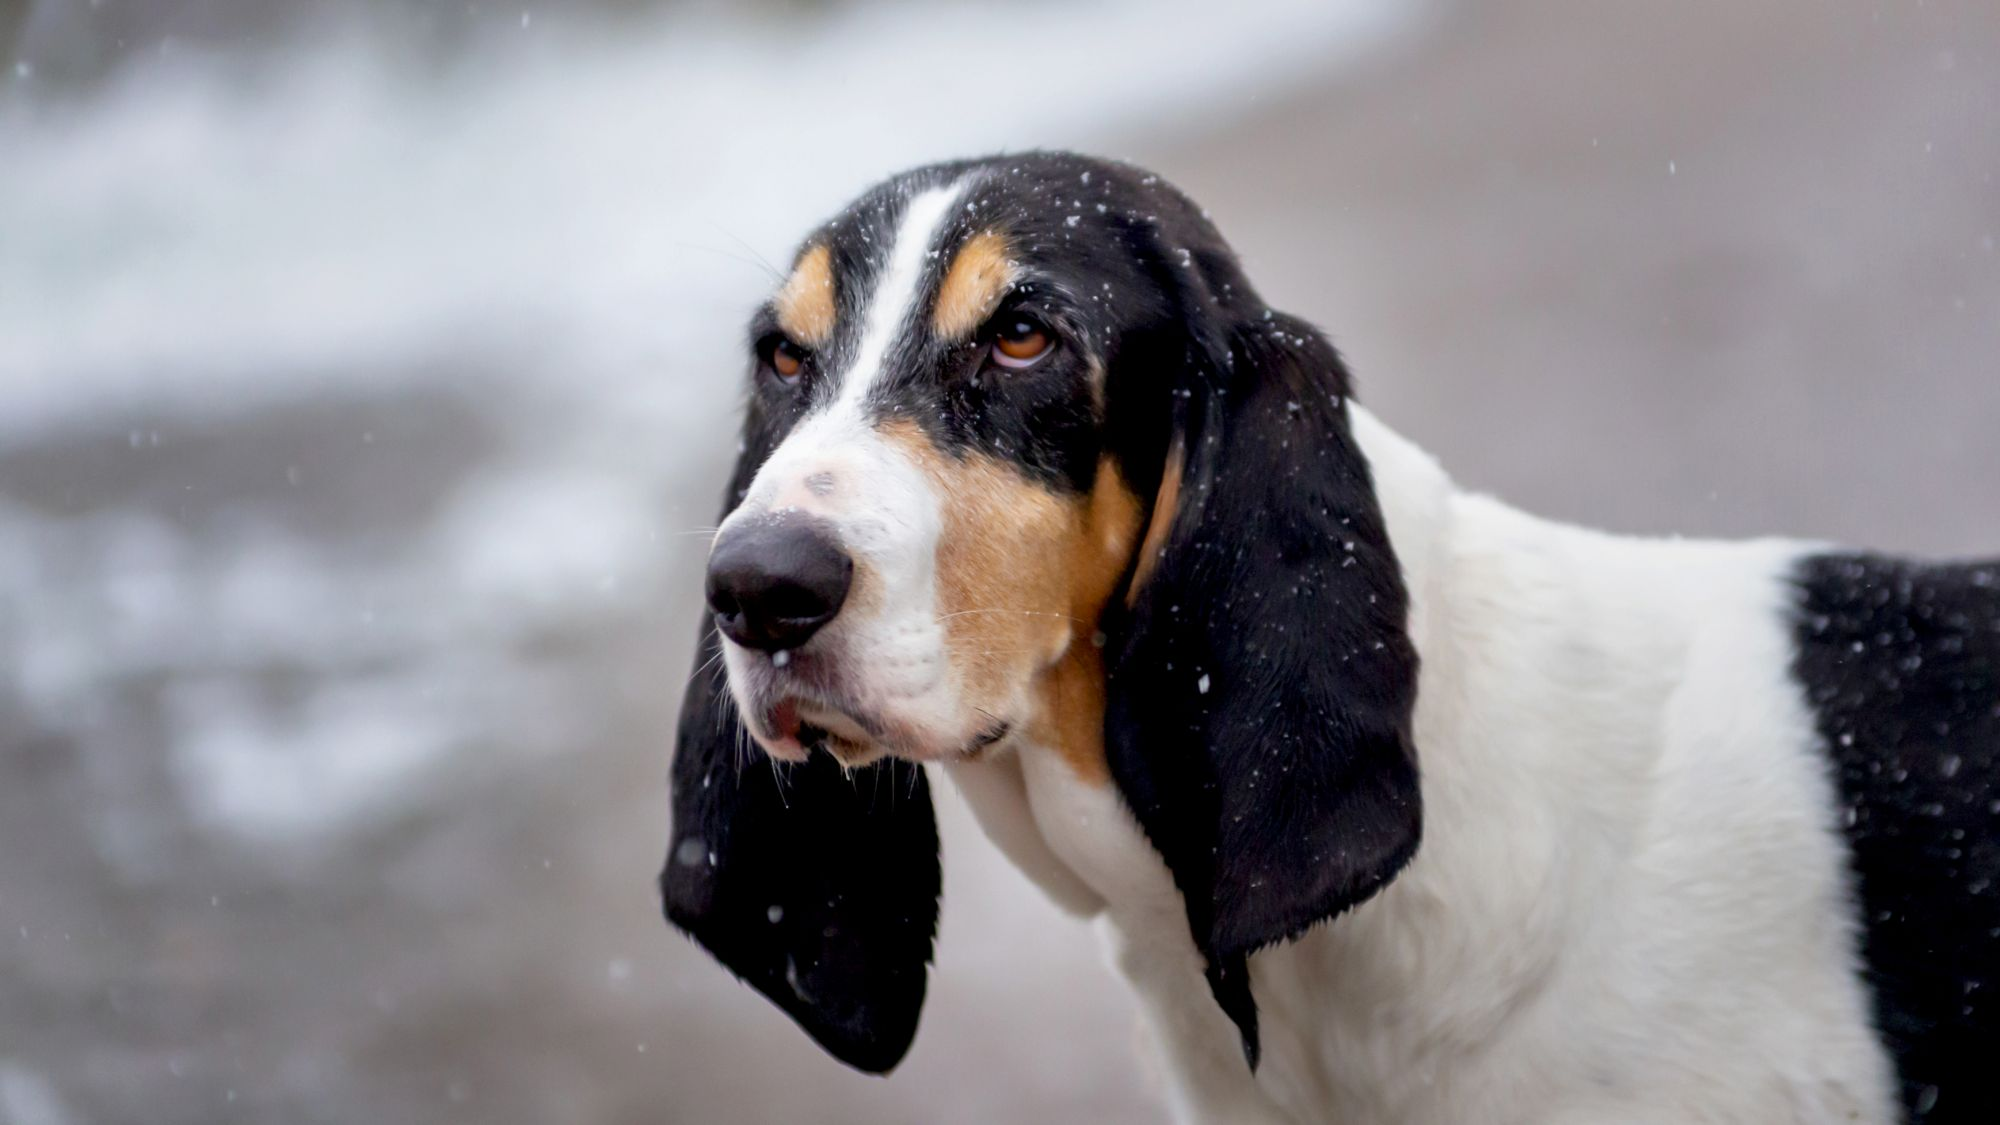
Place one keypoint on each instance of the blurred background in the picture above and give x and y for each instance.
(367, 371)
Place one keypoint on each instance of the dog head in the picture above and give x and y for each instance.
(1027, 458)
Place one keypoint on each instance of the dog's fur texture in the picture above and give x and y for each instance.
(1399, 805)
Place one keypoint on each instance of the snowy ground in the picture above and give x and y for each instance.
(355, 426)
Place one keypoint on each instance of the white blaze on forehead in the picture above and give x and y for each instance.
(882, 505)
(891, 305)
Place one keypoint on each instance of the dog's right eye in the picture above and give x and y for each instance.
(785, 359)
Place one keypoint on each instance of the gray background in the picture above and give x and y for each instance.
(1697, 268)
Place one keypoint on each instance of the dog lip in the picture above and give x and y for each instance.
(988, 737)
(782, 719)
(849, 753)
(833, 718)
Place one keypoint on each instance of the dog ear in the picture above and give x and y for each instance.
(1261, 676)
(817, 886)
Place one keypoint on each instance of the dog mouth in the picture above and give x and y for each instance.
(852, 740)
(797, 707)
(794, 727)
(986, 739)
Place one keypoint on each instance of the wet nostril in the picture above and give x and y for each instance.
(774, 583)
(724, 603)
(794, 602)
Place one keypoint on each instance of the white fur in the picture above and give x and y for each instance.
(894, 302)
(888, 653)
(1630, 904)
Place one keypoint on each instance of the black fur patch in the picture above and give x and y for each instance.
(818, 888)
(1901, 663)
(1261, 691)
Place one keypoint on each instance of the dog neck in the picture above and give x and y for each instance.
(1415, 494)
(1551, 656)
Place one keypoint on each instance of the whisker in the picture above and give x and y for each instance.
(753, 259)
(778, 774)
(1023, 612)
(708, 664)
(776, 274)
(724, 713)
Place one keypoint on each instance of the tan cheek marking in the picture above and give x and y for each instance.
(980, 275)
(1070, 714)
(1165, 506)
(805, 303)
(999, 590)
(1023, 575)
(1002, 594)
(1102, 550)
(1071, 695)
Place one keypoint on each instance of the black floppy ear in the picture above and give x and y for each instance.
(1262, 678)
(817, 886)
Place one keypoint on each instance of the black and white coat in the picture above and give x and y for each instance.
(1401, 805)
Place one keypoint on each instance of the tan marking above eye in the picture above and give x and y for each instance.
(805, 303)
(981, 273)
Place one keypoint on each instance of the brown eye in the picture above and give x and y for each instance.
(1020, 342)
(786, 358)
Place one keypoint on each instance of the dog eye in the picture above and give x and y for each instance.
(786, 359)
(1020, 341)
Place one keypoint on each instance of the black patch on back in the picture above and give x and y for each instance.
(1901, 663)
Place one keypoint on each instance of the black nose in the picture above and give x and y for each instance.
(773, 583)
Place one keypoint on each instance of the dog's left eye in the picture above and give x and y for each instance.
(1020, 341)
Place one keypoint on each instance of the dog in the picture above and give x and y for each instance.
(1401, 805)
